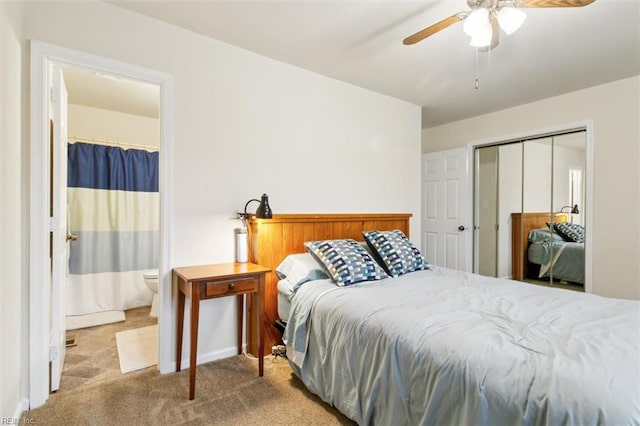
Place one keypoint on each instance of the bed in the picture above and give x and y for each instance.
(536, 253)
(271, 240)
(439, 346)
(552, 256)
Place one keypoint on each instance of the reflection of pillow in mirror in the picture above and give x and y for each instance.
(543, 234)
(570, 231)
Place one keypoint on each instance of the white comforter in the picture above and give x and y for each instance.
(443, 347)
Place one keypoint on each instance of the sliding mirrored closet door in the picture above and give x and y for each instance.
(487, 217)
(527, 219)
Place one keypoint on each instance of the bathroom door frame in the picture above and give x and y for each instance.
(42, 55)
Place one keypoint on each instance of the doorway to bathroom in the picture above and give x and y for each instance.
(113, 149)
(50, 235)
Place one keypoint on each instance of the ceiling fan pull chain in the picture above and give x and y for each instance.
(477, 79)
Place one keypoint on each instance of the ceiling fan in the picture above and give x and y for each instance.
(486, 17)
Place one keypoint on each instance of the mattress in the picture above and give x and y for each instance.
(565, 258)
(285, 290)
(450, 347)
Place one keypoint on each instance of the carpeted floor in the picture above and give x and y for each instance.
(94, 358)
(228, 391)
(556, 284)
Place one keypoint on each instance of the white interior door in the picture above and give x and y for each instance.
(59, 226)
(446, 234)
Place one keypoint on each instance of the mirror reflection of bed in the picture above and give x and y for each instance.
(542, 255)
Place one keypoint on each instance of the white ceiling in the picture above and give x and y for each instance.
(556, 50)
(89, 88)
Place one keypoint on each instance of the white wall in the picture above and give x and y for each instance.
(564, 159)
(536, 191)
(89, 122)
(244, 125)
(614, 109)
(13, 196)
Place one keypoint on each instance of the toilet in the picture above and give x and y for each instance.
(151, 280)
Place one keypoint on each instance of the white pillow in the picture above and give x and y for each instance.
(299, 269)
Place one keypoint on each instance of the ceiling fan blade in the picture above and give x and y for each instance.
(447, 22)
(552, 3)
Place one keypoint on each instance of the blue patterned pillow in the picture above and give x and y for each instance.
(396, 253)
(346, 261)
(570, 231)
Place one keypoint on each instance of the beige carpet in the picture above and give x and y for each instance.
(137, 348)
(228, 392)
(95, 357)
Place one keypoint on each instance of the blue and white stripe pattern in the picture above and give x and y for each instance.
(346, 261)
(396, 253)
(113, 205)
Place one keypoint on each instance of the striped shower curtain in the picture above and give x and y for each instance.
(113, 205)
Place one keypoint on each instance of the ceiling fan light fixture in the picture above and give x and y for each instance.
(483, 37)
(510, 19)
(476, 21)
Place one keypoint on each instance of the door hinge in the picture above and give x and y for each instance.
(53, 353)
(52, 224)
(52, 94)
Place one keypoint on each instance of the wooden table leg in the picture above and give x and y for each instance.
(195, 313)
(240, 318)
(179, 326)
(260, 320)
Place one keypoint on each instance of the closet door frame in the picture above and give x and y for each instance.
(586, 125)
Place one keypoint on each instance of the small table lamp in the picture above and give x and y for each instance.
(574, 209)
(262, 212)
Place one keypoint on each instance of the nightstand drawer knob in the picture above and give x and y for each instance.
(232, 286)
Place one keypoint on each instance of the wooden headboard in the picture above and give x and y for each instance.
(521, 224)
(271, 240)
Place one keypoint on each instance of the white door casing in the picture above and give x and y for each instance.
(59, 227)
(446, 233)
(40, 297)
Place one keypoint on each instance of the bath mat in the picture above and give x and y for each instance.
(137, 348)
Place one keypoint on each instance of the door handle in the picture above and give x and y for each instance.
(461, 228)
(72, 237)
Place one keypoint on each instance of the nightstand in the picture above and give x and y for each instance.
(212, 281)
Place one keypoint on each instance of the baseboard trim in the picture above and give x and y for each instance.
(208, 357)
(23, 405)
